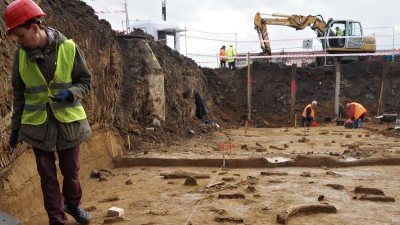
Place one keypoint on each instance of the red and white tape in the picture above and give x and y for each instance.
(110, 12)
(324, 55)
(289, 39)
(309, 55)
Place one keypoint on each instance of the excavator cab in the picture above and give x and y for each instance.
(345, 36)
(350, 30)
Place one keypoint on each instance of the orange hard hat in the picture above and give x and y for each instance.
(314, 124)
(20, 11)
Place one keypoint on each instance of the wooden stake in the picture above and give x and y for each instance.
(249, 87)
(223, 156)
(293, 91)
(337, 88)
(381, 103)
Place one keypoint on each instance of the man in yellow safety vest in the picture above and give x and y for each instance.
(339, 33)
(231, 55)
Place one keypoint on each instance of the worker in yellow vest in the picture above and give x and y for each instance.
(231, 55)
(49, 78)
(308, 115)
(339, 33)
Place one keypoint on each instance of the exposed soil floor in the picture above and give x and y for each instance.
(301, 162)
(255, 195)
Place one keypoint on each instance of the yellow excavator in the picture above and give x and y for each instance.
(353, 40)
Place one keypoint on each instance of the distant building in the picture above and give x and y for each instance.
(163, 31)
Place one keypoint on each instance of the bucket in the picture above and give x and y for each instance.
(389, 118)
(339, 122)
(314, 124)
(349, 125)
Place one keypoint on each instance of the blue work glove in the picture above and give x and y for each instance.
(60, 96)
(13, 139)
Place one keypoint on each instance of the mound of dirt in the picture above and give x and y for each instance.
(271, 90)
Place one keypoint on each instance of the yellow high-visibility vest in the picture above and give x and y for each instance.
(37, 90)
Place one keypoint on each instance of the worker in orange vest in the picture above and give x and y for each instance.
(308, 115)
(357, 113)
(222, 56)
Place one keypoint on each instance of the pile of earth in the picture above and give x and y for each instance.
(271, 91)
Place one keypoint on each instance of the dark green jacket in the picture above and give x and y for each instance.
(51, 135)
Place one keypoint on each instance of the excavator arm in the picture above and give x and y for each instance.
(316, 23)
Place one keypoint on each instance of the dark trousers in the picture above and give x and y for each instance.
(306, 122)
(231, 65)
(340, 42)
(71, 194)
(222, 63)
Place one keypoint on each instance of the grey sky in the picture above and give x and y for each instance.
(236, 17)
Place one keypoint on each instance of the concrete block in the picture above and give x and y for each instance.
(115, 211)
(6, 219)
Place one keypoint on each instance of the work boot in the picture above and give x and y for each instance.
(56, 223)
(79, 214)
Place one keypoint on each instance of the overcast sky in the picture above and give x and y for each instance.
(228, 19)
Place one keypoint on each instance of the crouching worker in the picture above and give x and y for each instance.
(308, 115)
(49, 78)
(357, 113)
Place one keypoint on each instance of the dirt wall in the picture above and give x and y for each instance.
(182, 77)
(271, 91)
